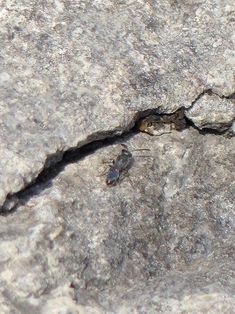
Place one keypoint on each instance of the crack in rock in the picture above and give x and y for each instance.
(55, 163)
(76, 72)
(77, 237)
(210, 92)
(212, 111)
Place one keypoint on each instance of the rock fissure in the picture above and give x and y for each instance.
(56, 162)
(77, 78)
(210, 92)
(211, 112)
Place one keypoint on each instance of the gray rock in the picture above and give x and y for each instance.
(161, 240)
(212, 112)
(73, 72)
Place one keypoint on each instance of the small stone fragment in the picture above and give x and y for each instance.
(212, 112)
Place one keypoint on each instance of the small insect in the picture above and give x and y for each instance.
(121, 165)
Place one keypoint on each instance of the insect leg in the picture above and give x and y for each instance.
(139, 149)
(125, 174)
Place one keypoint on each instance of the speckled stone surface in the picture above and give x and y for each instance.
(160, 241)
(75, 71)
(212, 112)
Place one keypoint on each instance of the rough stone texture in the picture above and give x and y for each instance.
(161, 241)
(74, 71)
(212, 112)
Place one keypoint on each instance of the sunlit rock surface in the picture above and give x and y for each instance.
(75, 71)
(212, 112)
(161, 240)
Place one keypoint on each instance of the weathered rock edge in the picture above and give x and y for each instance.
(212, 111)
(55, 162)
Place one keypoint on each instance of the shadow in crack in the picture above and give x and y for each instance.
(148, 121)
(53, 166)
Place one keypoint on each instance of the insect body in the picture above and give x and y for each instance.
(122, 163)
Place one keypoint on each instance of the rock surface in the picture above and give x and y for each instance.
(212, 112)
(75, 71)
(160, 241)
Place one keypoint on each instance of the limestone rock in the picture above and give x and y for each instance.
(73, 72)
(76, 71)
(161, 240)
(212, 112)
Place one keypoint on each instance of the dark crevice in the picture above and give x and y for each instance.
(56, 162)
(53, 166)
(205, 131)
(210, 92)
(205, 92)
(231, 97)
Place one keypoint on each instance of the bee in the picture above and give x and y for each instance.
(121, 164)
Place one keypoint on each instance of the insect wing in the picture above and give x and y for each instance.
(112, 176)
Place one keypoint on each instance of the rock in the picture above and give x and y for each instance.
(75, 72)
(212, 112)
(232, 128)
(161, 240)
